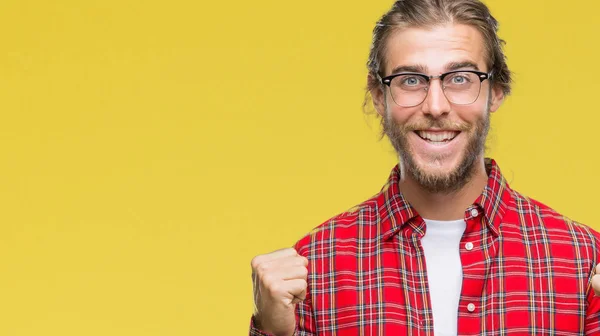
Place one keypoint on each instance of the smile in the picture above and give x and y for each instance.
(437, 137)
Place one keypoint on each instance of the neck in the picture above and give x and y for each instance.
(444, 206)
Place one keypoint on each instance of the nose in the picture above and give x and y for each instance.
(436, 104)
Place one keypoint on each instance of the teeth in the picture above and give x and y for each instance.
(437, 136)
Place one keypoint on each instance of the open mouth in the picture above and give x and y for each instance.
(437, 137)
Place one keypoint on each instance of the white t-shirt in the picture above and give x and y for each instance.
(441, 245)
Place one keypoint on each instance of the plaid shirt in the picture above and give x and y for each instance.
(526, 269)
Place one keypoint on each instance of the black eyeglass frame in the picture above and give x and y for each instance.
(481, 75)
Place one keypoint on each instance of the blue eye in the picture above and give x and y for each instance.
(411, 81)
(458, 80)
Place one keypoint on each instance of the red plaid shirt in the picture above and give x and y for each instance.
(527, 271)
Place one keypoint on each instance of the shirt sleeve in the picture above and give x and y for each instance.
(306, 325)
(592, 316)
(304, 318)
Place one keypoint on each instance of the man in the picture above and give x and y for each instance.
(446, 247)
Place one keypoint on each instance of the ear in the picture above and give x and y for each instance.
(377, 94)
(496, 97)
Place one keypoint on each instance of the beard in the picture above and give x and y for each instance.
(436, 182)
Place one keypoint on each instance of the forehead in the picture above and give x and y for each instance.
(434, 49)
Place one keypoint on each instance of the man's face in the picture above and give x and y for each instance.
(439, 143)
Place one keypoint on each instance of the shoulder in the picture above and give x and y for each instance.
(345, 227)
(533, 215)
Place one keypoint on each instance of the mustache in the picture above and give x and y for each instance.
(434, 123)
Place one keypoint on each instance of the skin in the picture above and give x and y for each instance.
(280, 280)
(433, 50)
(596, 281)
(280, 277)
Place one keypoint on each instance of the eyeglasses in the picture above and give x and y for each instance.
(461, 87)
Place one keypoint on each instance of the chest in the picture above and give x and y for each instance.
(508, 285)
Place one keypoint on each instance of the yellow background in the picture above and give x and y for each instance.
(149, 149)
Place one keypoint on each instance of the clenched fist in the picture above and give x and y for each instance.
(279, 280)
(596, 281)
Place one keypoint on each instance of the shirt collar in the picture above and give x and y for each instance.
(395, 211)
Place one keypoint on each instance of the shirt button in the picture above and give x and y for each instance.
(474, 212)
(469, 246)
(471, 307)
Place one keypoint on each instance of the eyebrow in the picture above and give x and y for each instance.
(423, 69)
(409, 68)
(461, 65)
